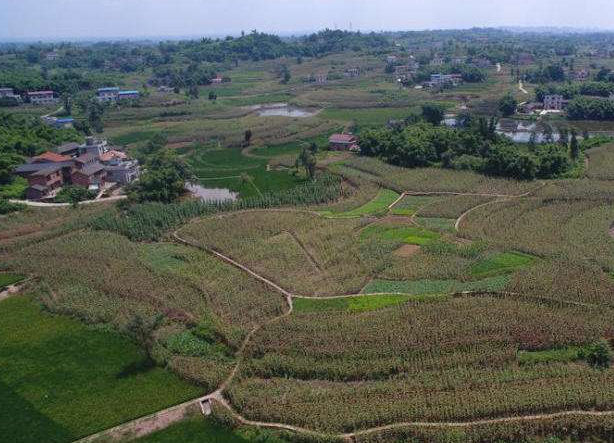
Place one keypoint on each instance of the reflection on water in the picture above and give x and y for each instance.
(212, 194)
(282, 110)
(521, 131)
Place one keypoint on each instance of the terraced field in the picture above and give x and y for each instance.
(376, 304)
(361, 315)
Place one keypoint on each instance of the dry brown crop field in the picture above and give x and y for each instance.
(301, 251)
(535, 258)
(577, 229)
(600, 163)
(432, 179)
(453, 360)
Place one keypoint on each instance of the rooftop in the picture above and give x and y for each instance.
(51, 157)
(342, 138)
(109, 89)
(40, 188)
(40, 93)
(91, 169)
(66, 147)
(113, 155)
(86, 158)
(49, 169)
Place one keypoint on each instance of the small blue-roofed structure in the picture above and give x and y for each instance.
(129, 94)
(109, 89)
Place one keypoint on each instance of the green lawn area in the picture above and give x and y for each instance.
(228, 168)
(294, 147)
(351, 304)
(61, 380)
(429, 287)
(200, 430)
(368, 117)
(501, 263)
(7, 279)
(133, 137)
(379, 205)
(411, 203)
(563, 355)
(437, 224)
(411, 235)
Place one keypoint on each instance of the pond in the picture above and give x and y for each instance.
(283, 110)
(212, 194)
(521, 131)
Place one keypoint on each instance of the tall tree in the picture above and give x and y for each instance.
(563, 137)
(433, 113)
(164, 178)
(247, 137)
(574, 146)
(508, 105)
(307, 160)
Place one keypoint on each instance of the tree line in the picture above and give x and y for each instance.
(473, 145)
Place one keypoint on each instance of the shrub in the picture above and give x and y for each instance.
(7, 207)
(74, 194)
(598, 355)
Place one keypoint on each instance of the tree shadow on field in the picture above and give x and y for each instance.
(138, 367)
(22, 422)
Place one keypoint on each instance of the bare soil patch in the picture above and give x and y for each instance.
(407, 251)
(179, 145)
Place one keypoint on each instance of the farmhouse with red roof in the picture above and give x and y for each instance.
(343, 142)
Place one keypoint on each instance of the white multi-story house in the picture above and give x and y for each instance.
(554, 102)
(52, 56)
(438, 61)
(107, 94)
(9, 93)
(94, 146)
(352, 72)
(42, 97)
(128, 95)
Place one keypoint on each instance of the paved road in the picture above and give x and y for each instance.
(65, 205)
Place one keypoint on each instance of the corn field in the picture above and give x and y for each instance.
(149, 221)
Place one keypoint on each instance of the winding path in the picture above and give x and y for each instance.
(162, 419)
(38, 204)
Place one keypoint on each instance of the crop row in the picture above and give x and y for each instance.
(149, 221)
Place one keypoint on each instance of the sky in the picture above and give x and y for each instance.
(85, 19)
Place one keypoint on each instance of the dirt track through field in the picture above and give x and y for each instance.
(162, 419)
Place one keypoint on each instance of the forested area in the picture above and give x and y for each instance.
(474, 146)
(22, 136)
(584, 108)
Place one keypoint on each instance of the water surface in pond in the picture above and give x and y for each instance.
(212, 194)
(283, 110)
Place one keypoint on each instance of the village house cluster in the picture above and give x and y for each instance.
(107, 94)
(406, 69)
(114, 94)
(551, 103)
(34, 97)
(93, 165)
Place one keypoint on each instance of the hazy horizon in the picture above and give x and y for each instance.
(28, 20)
